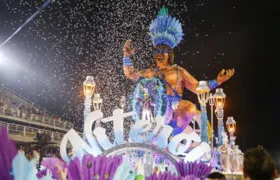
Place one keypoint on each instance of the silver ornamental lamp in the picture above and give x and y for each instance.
(219, 101)
(89, 86)
(97, 104)
(231, 126)
(203, 96)
(212, 103)
(88, 89)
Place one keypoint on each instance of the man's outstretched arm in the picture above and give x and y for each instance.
(191, 83)
(128, 68)
(134, 74)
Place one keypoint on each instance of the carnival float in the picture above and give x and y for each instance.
(169, 138)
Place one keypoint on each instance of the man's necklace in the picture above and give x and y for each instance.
(168, 66)
(178, 75)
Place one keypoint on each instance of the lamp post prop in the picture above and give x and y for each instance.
(231, 125)
(122, 102)
(220, 97)
(89, 88)
(212, 102)
(193, 121)
(97, 104)
(203, 95)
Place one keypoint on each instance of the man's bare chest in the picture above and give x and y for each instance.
(171, 76)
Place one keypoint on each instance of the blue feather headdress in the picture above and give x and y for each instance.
(166, 29)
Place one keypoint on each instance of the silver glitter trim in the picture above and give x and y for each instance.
(148, 166)
(143, 147)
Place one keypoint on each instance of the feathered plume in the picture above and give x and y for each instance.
(75, 171)
(51, 166)
(7, 153)
(42, 173)
(190, 177)
(166, 29)
(163, 12)
(163, 176)
(24, 169)
(197, 169)
(100, 167)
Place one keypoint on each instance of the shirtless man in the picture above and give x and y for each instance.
(166, 33)
(178, 78)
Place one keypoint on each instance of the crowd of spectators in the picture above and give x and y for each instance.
(258, 165)
(15, 106)
(37, 152)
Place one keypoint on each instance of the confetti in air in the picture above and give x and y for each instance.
(27, 21)
(75, 39)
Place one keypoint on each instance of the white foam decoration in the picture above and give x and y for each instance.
(78, 144)
(91, 118)
(138, 129)
(197, 152)
(102, 138)
(141, 131)
(177, 148)
(159, 123)
(162, 138)
(118, 119)
(143, 126)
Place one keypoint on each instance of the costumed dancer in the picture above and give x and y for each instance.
(147, 107)
(166, 33)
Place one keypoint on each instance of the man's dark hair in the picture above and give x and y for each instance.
(258, 164)
(216, 175)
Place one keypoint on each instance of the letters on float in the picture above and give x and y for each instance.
(97, 141)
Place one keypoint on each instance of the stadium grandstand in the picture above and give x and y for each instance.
(24, 120)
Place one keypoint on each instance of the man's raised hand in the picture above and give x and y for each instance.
(224, 75)
(127, 50)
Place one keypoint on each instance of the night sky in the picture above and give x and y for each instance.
(48, 60)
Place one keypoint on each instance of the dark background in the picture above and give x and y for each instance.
(49, 59)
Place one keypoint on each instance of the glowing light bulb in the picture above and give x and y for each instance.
(89, 89)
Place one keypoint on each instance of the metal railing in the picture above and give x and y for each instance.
(12, 112)
(27, 131)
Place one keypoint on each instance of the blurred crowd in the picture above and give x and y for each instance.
(258, 165)
(38, 153)
(12, 104)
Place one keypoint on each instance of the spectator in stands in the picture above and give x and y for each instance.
(11, 105)
(48, 154)
(258, 165)
(36, 156)
(21, 150)
(3, 107)
(216, 176)
(29, 154)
